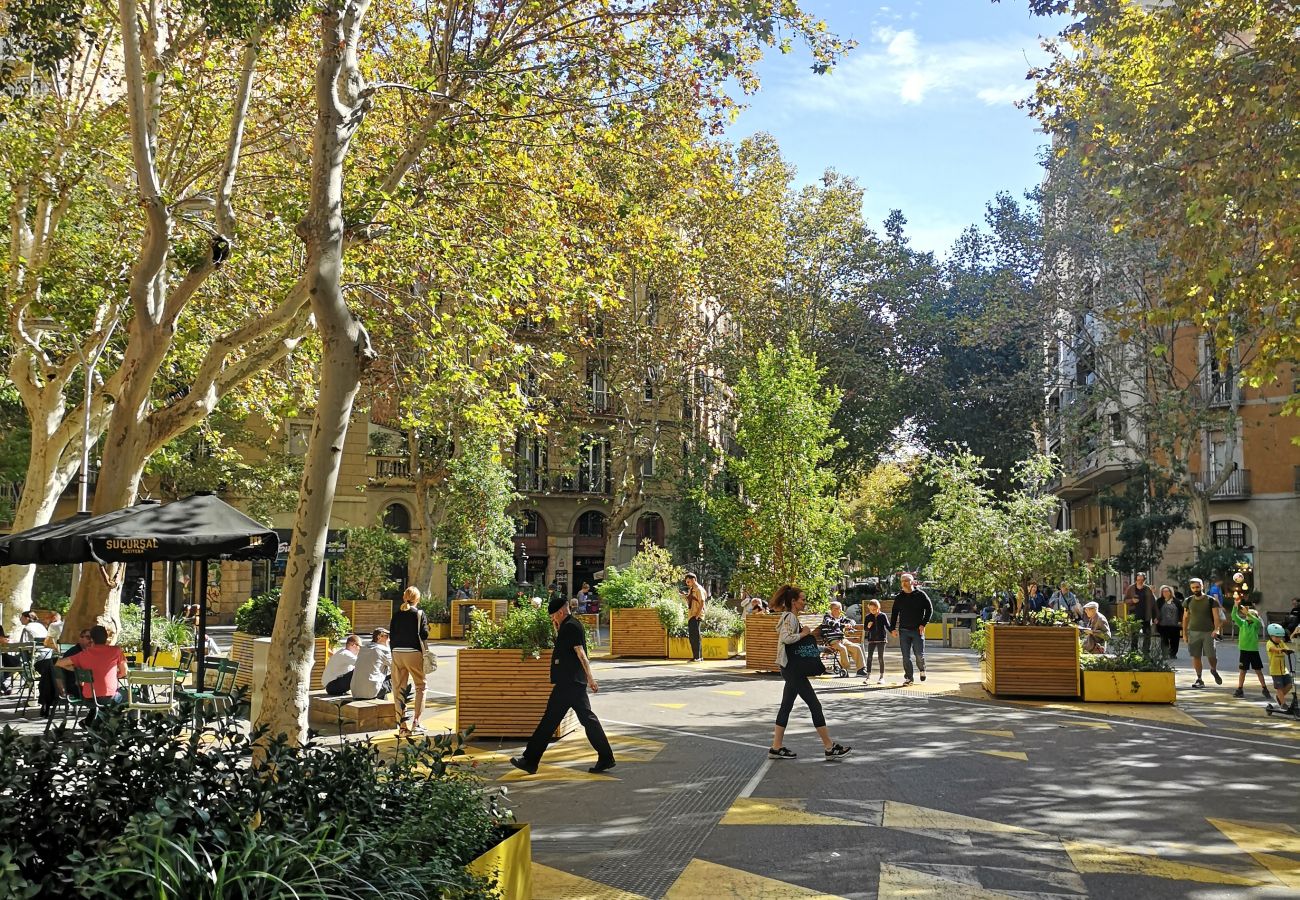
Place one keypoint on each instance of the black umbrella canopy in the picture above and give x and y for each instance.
(59, 542)
(201, 526)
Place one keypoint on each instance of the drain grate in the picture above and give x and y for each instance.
(648, 862)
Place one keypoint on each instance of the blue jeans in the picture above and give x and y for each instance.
(911, 640)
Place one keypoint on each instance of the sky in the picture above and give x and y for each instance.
(922, 112)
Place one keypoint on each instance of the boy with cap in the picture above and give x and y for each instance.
(570, 679)
(1249, 628)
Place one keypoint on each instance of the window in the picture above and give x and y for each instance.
(597, 389)
(650, 527)
(527, 524)
(397, 519)
(593, 467)
(299, 437)
(591, 524)
(648, 465)
(1229, 533)
(1116, 428)
(530, 463)
(653, 376)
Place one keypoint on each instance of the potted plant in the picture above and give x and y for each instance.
(510, 657)
(1128, 675)
(365, 573)
(643, 601)
(256, 618)
(721, 634)
(439, 616)
(1036, 658)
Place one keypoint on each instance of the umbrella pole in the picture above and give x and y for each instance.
(148, 612)
(202, 598)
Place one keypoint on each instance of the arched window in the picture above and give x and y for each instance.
(397, 519)
(650, 527)
(1230, 533)
(527, 523)
(591, 524)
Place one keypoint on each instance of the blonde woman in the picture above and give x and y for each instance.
(408, 630)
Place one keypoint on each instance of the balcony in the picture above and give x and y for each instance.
(1219, 391)
(582, 483)
(1236, 487)
(384, 468)
(1085, 475)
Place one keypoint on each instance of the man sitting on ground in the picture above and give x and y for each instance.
(107, 666)
(1095, 628)
(338, 671)
(372, 677)
(834, 624)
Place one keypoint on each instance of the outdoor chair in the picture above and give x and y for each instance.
(74, 702)
(223, 692)
(24, 671)
(185, 667)
(151, 692)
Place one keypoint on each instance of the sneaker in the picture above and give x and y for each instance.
(862, 673)
(1198, 683)
(523, 765)
(1218, 679)
(906, 682)
(602, 766)
(880, 680)
(837, 750)
(923, 674)
(1240, 693)
(781, 753)
(1267, 695)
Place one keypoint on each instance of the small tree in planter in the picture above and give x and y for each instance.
(650, 582)
(371, 553)
(478, 532)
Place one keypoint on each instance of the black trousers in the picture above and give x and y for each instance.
(1170, 635)
(565, 697)
(1146, 635)
(800, 686)
(339, 686)
(693, 632)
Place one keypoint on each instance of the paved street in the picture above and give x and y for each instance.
(946, 794)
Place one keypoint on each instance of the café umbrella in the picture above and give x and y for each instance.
(200, 528)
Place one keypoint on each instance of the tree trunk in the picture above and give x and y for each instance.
(345, 350)
(424, 543)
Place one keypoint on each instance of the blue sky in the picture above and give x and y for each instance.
(921, 112)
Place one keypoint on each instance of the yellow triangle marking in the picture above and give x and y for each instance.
(553, 773)
(1005, 754)
(548, 882)
(770, 811)
(706, 879)
(1261, 840)
(672, 705)
(904, 815)
(900, 883)
(730, 693)
(999, 734)
(1100, 726)
(1094, 859)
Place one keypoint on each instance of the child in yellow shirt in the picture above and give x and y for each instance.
(1279, 664)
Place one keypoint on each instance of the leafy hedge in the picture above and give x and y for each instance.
(648, 579)
(524, 628)
(718, 621)
(257, 617)
(152, 810)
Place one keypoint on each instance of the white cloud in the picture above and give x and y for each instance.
(898, 67)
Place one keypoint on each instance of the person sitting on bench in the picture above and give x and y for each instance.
(372, 677)
(338, 671)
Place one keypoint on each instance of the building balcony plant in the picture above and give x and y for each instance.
(506, 658)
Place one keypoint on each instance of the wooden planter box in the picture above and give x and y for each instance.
(760, 642)
(711, 647)
(637, 632)
(439, 631)
(367, 615)
(502, 695)
(590, 624)
(1128, 687)
(241, 651)
(496, 610)
(509, 865)
(1031, 661)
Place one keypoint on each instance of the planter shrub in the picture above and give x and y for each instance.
(130, 813)
(503, 678)
(256, 618)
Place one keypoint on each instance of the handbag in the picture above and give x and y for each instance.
(430, 659)
(804, 657)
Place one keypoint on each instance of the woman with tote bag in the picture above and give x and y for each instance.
(409, 630)
(799, 657)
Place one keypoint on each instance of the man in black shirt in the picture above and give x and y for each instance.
(912, 610)
(571, 677)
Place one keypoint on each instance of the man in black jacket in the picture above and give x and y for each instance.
(912, 610)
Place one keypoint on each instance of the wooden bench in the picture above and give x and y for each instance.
(324, 712)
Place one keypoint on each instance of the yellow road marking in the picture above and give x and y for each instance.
(998, 734)
(549, 884)
(904, 815)
(672, 705)
(901, 883)
(731, 693)
(771, 811)
(1262, 840)
(1095, 859)
(703, 879)
(1005, 754)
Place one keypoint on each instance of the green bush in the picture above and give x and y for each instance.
(718, 621)
(672, 614)
(435, 610)
(257, 617)
(524, 628)
(1126, 651)
(130, 633)
(171, 633)
(649, 578)
(153, 810)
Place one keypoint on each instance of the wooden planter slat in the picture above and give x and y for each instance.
(241, 651)
(637, 632)
(502, 695)
(1031, 661)
(367, 615)
(496, 610)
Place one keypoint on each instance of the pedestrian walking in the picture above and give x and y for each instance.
(912, 611)
(1169, 619)
(1200, 628)
(875, 632)
(695, 595)
(409, 629)
(798, 656)
(571, 678)
(1249, 629)
(1140, 601)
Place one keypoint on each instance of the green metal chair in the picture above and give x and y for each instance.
(24, 670)
(151, 692)
(223, 692)
(85, 678)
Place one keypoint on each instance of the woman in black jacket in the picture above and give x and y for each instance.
(408, 631)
